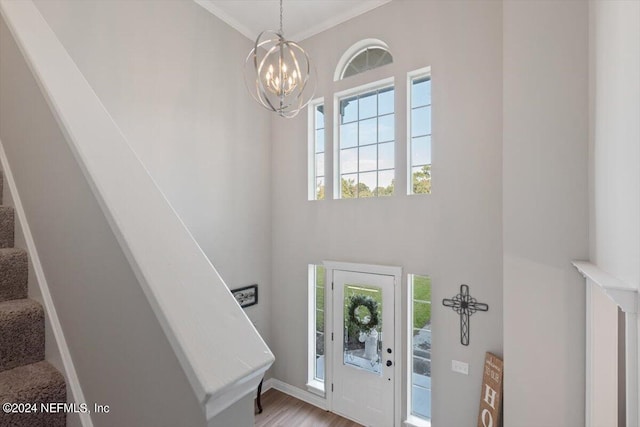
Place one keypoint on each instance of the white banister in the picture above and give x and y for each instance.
(220, 351)
(626, 296)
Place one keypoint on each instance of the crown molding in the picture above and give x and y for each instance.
(312, 30)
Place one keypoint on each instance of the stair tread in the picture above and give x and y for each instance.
(34, 384)
(10, 251)
(20, 383)
(14, 274)
(7, 307)
(21, 333)
(7, 223)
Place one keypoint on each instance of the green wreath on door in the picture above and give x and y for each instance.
(363, 323)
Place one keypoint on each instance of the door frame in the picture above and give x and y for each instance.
(399, 359)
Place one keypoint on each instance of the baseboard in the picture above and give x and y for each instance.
(41, 281)
(296, 392)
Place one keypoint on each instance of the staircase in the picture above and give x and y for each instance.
(25, 377)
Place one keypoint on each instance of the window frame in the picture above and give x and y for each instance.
(314, 385)
(411, 76)
(355, 91)
(312, 173)
(412, 420)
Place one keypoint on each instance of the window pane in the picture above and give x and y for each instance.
(317, 341)
(386, 130)
(349, 135)
(385, 155)
(385, 101)
(374, 134)
(320, 164)
(368, 131)
(367, 184)
(320, 141)
(421, 179)
(421, 347)
(421, 151)
(421, 288)
(421, 314)
(349, 110)
(365, 60)
(367, 159)
(385, 183)
(421, 121)
(320, 368)
(421, 92)
(320, 279)
(320, 117)
(319, 188)
(349, 184)
(349, 160)
(319, 320)
(368, 106)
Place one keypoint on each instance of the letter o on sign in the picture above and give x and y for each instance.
(487, 418)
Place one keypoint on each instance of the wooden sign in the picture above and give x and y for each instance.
(491, 394)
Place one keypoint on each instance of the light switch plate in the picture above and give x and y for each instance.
(460, 367)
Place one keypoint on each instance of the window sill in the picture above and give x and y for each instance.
(316, 387)
(412, 421)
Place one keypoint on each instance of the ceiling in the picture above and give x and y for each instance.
(302, 18)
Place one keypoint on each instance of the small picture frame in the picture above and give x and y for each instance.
(246, 296)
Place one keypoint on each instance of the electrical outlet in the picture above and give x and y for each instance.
(460, 367)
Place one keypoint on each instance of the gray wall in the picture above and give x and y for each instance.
(121, 354)
(453, 235)
(545, 211)
(167, 72)
(615, 137)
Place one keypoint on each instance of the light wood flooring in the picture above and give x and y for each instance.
(282, 410)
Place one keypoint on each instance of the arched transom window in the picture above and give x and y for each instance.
(363, 56)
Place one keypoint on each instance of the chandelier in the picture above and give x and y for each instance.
(278, 73)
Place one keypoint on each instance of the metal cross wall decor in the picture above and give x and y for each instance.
(465, 305)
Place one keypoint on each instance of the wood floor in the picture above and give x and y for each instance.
(282, 410)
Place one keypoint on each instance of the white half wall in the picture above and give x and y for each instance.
(602, 392)
(545, 211)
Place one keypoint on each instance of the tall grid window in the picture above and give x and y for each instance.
(420, 132)
(316, 327)
(420, 350)
(366, 136)
(317, 150)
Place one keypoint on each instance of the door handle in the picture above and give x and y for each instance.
(389, 363)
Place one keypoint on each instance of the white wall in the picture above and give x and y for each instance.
(453, 235)
(545, 211)
(615, 137)
(167, 73)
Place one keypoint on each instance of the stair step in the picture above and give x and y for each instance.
(6, 226)
(14, 274)
(21, 333)
(35, 383)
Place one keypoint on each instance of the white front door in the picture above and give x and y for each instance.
(363, 356)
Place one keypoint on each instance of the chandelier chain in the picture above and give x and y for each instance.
(281, 32)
